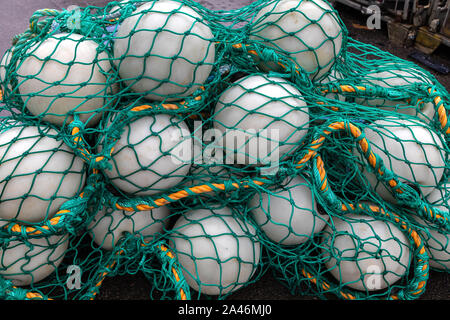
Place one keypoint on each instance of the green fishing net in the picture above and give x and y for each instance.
(204, 149)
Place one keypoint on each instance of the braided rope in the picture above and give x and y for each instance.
(168, 260)
(58, 222)
(36, 26)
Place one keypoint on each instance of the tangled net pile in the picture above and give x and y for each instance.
(350, 200)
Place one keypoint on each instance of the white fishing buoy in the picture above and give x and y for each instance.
(164, 50)
(410, 149)
(6, 59)
(308, 31)
(365, 253)
(217, 251)
(398, 78)
(153, 154)
(288, 215)
(31, 261)
(66, 74)
(109, 226)
(38, 173)
(261, 120)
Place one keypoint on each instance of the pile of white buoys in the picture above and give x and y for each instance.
(217, 156)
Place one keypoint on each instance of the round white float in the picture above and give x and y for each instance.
(261, 119)
(365, 253)
(153, 154)
(37, 174)
(66, 74)
(28, 262)
(218, 252)
(410, 149)
(308, 31)
(109, 226)
(399, 78)
(164, 50)
(288, 215)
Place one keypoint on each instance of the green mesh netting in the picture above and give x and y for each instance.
(205, 148)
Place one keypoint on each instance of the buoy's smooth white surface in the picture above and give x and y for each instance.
(260, 120)
(288, 215)
(398, 78)
(308, 31)
(28, 262)
(217, 251)
(109, 226)
(410, 149)
(365, 253)
(37, 174)
(66, 73)
(153, 154)
(164, 50)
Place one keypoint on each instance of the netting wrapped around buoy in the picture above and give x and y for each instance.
(205, 148)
